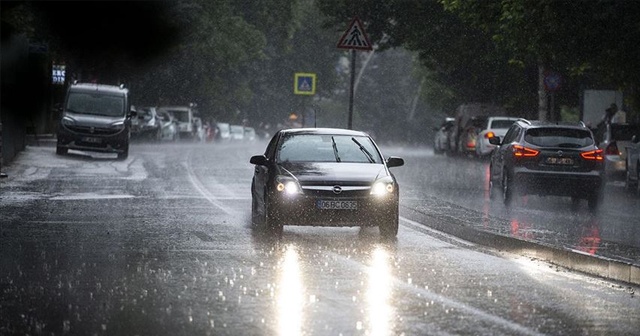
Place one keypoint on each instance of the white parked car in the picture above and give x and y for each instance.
(249, 134)
(495, 126)
(169, 126)
(224, 131)
(237, 132)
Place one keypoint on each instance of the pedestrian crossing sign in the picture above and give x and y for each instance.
(355, 37)
(304, 83)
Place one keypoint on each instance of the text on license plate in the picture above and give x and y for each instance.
(92, 140)
(560, 160)
(337, 205)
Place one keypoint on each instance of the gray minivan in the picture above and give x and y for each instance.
(95, 117)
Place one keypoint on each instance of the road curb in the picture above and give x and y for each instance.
(574, 260)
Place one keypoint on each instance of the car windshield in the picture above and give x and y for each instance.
(144, 113)
(501, 123)
(180, 115)
(96, 104)
(559, 137)
(328, 148)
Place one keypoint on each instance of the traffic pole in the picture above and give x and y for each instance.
(351, 93)
(2, 175)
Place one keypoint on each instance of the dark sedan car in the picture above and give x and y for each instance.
(324, 177)
(543, 158)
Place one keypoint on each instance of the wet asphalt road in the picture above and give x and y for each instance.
(160, 244)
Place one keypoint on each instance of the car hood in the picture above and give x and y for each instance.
(334, 172)
(90, 120)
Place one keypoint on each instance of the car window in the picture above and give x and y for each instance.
(511, 134)
(501, 123)
(96, 104)
(180, 115)
(559, 137)
(328, 148)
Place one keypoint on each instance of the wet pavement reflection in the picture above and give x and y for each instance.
(460, 187)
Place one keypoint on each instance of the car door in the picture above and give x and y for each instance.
(500, 152)
(261, 173)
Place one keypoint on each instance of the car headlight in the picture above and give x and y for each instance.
(288, 186)
(67, 121)
(382, 188)
(118, 125)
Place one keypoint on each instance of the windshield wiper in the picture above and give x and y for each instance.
(335, 149)
(364, 150)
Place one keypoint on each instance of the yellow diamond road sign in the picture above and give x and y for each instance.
(304, 83)
(355, 37)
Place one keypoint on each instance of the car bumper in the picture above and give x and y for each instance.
(304, 210)
(558, 183)
(115, 143)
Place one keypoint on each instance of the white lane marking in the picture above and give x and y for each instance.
(422, 227)
(520, 329)
(201, 188)
(89, 197)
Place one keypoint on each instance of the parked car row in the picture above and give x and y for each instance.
(473, 139)
(173, 123)
(227, 132)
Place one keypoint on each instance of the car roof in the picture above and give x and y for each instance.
(331, 131)
(99, 87)
(176, 108)
(553, 124)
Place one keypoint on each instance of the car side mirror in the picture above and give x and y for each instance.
(394, 161)
(494, 140)
(259, 160)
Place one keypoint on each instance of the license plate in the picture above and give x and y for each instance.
(337, 205)
(560, 160)
(92, 140)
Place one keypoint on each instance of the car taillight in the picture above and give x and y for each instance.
(593, 155)
(521, 151)
(489, 135)
(612, 149)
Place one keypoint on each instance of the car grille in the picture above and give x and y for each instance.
(93, 130)
(345, 191)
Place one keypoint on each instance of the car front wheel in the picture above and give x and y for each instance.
(61, 150)
(270, 221)
(125, 153)
(389, 227)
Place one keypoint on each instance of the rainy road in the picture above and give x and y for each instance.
(160, 244)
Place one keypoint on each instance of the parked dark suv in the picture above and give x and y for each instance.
(543, 158)
(97, 118)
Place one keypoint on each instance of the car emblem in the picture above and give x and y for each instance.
(560, 153)
(92, 130)
(337, 189)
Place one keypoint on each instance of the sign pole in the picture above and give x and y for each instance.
(354, 38)
(352, 88)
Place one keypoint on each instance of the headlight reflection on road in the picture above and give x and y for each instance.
(290, 294)
(379, 293)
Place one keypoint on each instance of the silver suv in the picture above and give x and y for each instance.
(95, 117)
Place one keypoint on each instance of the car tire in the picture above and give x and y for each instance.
(124, 154)
(637, 179)
(270, 221)
(389, 227)
(507, 189)
(61, 150)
